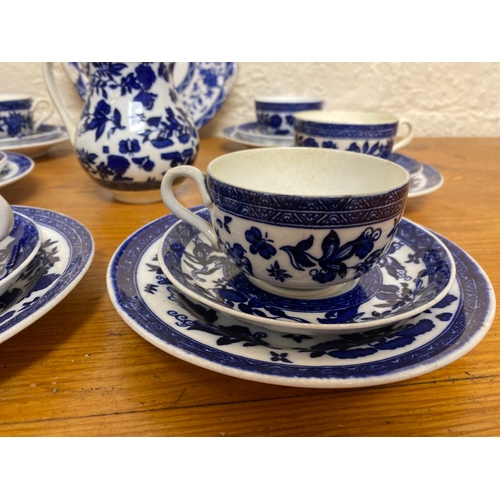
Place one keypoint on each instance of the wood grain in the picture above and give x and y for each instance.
(81, 371)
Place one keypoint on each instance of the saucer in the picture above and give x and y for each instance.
(251, 132)
(35, 146)
(18, 249)
(45, 132)
(3, 159)
(154, 309)
(65, 254)
(428, 181)
(416, 273)
(413, 167)
(17, 167)
(202, 86)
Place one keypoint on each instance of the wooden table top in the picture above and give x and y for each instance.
(81, 371)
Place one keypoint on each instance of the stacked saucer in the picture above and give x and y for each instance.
(42, 259)
(206, 328)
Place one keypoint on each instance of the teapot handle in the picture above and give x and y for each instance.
(50, 83)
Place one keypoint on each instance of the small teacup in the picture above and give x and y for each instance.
(275, 114)
(360, 132)
(298, 221)
(17, 114)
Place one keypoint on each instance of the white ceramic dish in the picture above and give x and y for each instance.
(36, 146)
(64, 257)
(152, 307)
(17, 167)
(428, 181)
(250, 132)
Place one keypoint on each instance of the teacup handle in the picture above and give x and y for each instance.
(182, 212)
(48, 111)
(409, 136)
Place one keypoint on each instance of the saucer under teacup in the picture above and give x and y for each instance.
(45, 132)
(416, 273)
(413, 167)
(251, 132)
(18, 249)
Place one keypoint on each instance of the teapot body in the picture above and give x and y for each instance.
(133, 129)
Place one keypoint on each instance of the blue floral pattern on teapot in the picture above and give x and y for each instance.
(133, 128)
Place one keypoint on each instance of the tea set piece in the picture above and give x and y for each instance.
(416, 273)
(64, 256)
(45, 132)
(3, 160)
(203, 87)
(19, 242)
(426, 182)
(147, 301)
(16, 167)
(38, 144)
(275, 114)
(413, 167)
(17, 250)
(132, 130)
(17, 115)
(300, 222)
(252, 133)
(360, 132)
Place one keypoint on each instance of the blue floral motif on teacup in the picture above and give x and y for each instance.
(309, 261)
(367, 133)
(327, 223)
(133, 127)
(15, 117)
(275, 115)
(375, 147)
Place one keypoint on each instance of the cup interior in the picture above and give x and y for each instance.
(346, 117)
(308, 172)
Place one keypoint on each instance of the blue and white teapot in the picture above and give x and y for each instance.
(133, 127)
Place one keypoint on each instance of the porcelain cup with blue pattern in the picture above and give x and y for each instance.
(17, 114)
(300, 222)
(360, 132)
(275, 114)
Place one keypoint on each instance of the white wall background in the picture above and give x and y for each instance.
(442, 99)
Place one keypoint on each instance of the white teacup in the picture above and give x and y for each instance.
(17, 114)
(359, 132)
(297, 221)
